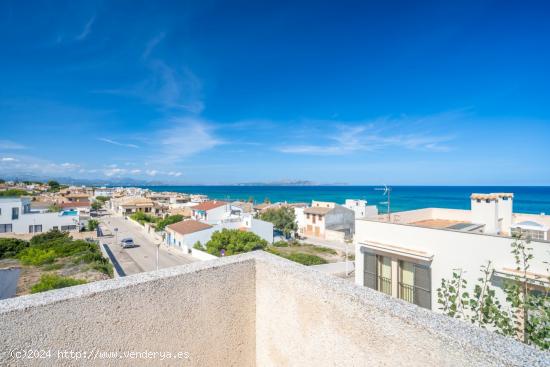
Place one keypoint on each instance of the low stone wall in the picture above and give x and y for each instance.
(246, 310)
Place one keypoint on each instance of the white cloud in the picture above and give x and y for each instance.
(151, 172)
(415, 134)
(152, 44)
(114, 142)
(10, 145)
(70, 165)
(86, 30)
(186, 137)
(8, 159)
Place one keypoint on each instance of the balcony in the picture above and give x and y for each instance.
(247, 310)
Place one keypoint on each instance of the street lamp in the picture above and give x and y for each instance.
(158, 247)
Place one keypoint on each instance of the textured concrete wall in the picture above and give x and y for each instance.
(207, 311)
(247, 310)
(305, 318)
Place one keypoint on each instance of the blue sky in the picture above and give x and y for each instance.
(365, 92)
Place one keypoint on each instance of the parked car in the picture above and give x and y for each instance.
(127, 243)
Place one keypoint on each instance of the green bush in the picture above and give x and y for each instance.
(299, 257)
(49, 281)
(36, 256)
(102, 199)
(49, 236)
(198, 246)
(234, 241)
(11, 247)
(281, 244)
(324, 250)
(13, 192)
(141, 218)
(92, 225)
(171, 219)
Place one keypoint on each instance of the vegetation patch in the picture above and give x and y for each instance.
(233, 241)
(299, 257)
(171, 219)
(55, 253)
(51, 281)
(14, 193)
(143, 218)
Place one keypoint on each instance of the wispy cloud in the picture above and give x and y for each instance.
(415, 134)
(114, 142)
(86, 30)
(10, 145)
(186, 136)
(8, 159)
(152, 44)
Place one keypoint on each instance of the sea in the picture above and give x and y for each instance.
(527, 199)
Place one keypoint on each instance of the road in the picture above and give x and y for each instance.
(141, 258)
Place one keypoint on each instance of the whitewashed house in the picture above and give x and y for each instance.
(183, 235)
(361, 208)
(16, 216)
(407, 256)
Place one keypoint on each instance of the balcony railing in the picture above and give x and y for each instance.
(406, 292)
(384, 285)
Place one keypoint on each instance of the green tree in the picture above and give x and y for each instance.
(54, 185)
(161, 224)
(234, 241)
(92, 225)
(283, 219)
(102, 199)
(96, 205)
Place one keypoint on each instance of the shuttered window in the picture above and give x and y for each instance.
(371, 265)
(422, 286)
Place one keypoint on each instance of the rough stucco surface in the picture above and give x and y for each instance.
(203, 310)
(247, 310)
(306, 318)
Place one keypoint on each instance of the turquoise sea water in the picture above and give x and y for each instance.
(527, 199)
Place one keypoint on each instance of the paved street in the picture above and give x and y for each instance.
(141, 258)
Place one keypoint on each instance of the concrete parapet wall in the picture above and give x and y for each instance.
(247, 310)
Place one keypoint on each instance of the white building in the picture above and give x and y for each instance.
(328, 221)
(211, 216)
(361, 209)
(16, 216)
(104, 191)
(408, 256)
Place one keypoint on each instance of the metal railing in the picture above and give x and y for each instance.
(406, 292)
(384, 285)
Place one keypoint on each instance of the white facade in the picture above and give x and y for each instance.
(361, 209)
(432, 243)
(104, 191)
(16, 216)
(185, 242)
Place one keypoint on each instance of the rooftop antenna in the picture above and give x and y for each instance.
(387, 192)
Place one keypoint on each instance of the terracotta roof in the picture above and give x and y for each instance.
(317, 210)
(188, 226)
(75, 204)
(207, 205)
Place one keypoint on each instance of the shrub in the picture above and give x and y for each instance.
(282, 218)
(161, 224)
(13, 192)
(324, 250)
(234, 241)
(299, 257)
(49, 236)
(11, 247)
(50, 281)
(141, 218)
(36, 256)
(281, 244)
(92, 225)
(198, 246)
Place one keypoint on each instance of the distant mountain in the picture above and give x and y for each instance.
(289, 183)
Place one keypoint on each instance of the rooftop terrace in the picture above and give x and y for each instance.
(247, 310)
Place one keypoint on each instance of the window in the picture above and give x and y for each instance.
(378, 273)
(384, 275)
(14, 213)
(415, 284)
(307, 216)
(5, 228)
(314, 217)
(529, 233)
(68, 228)
(35, 229)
